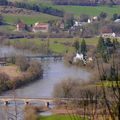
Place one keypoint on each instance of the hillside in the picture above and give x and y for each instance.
(12, 14)
(78, 10)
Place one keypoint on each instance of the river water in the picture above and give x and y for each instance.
(54, 72)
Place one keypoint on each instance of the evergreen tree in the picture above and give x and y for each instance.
(103, 15)
(100, 46)
(102, 49)
(83, 47)
(115, 16)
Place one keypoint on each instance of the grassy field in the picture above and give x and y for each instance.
(29, 19)
(78, 10)
(11, 71)
(57, 45)
(60, 117)
(7, 28)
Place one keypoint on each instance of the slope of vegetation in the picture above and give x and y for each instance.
(96, 10)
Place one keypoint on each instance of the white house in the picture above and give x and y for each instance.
(89, 21)
(79, 57)
(117, 21)
(109, 35)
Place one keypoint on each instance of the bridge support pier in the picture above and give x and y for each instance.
(47, 104)
(6, 103)
(26, 103)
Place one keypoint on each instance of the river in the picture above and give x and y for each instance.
(54, 72)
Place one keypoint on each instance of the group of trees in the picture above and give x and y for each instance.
(68, 20)
(31, 69)
(115, 16)
(106, 47)
(80, 48)
(93, 100)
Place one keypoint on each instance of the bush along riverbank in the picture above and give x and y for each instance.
(19, 73)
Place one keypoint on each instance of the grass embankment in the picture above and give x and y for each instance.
(19, 74)
(61, 117)
(12, 71)
(56, 45)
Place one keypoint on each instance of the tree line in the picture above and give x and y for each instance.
(34, 7)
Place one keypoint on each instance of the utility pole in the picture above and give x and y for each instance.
(48, 45)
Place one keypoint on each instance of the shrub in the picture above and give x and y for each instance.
(3, 80)
(22, 62)
(35, 68)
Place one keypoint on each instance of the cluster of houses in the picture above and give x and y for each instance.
(45, 27)
(37, 27)
(79, 24)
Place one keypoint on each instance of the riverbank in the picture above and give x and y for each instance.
(11, 77)
(61, 117)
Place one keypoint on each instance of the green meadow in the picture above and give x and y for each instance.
(61, 117)
(29, 19)
(93, 11)
(57, 45)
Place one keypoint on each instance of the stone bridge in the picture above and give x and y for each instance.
(46, 101)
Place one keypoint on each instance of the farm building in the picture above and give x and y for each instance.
(40, 27)
(20, 26)
(107, 32)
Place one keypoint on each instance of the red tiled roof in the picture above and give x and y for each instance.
(42, 26)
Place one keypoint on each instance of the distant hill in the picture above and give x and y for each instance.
(72, 2)
(32, 1)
